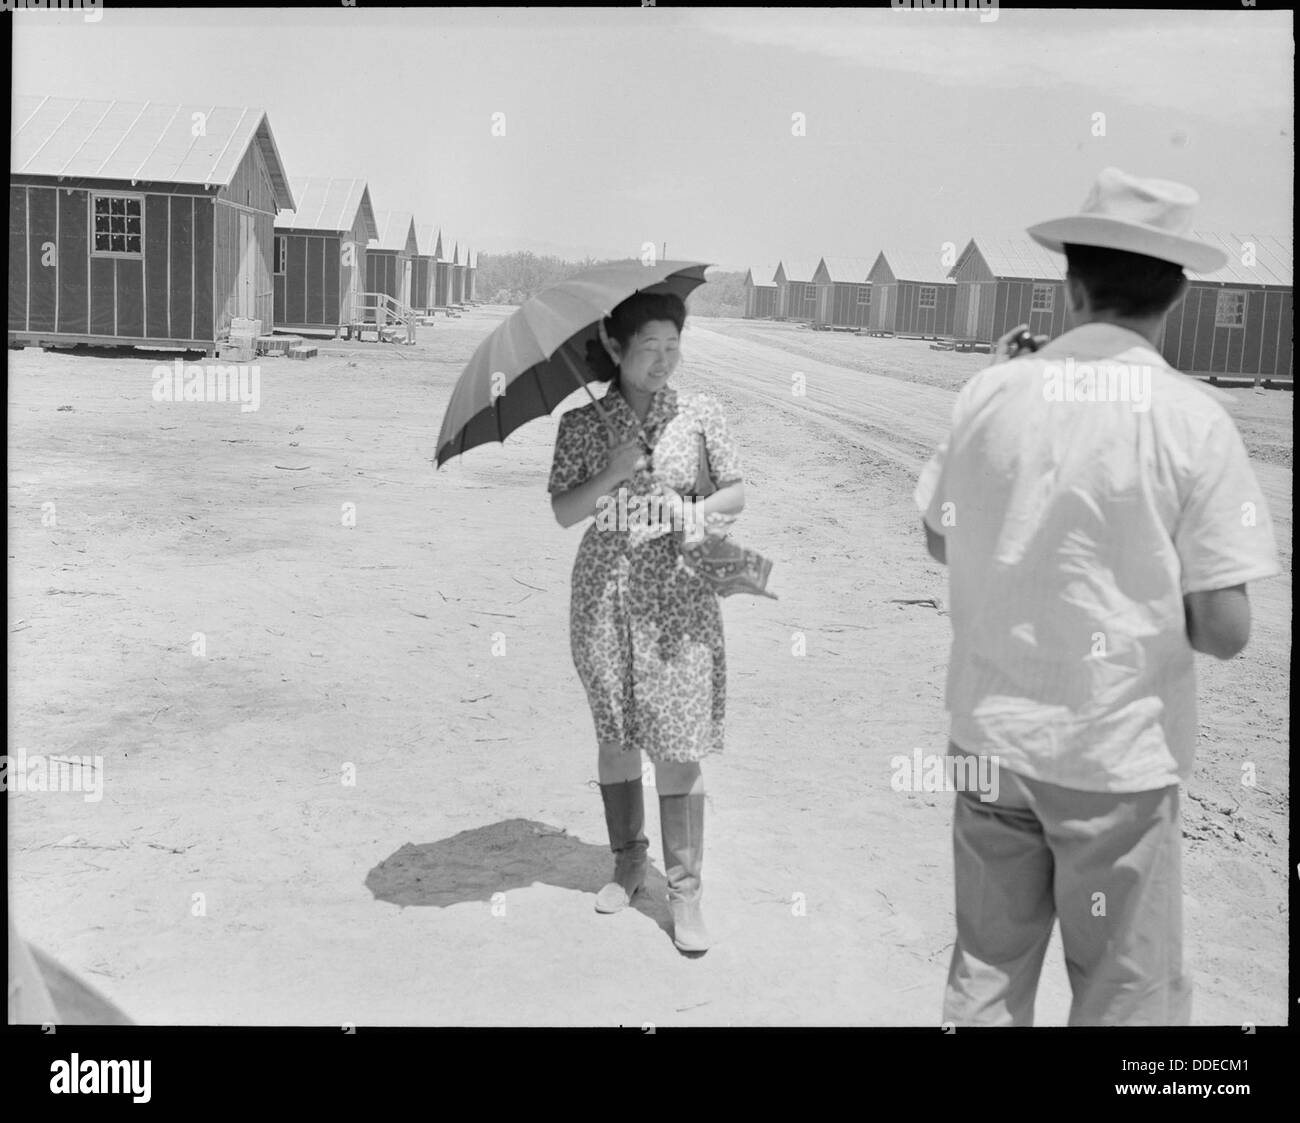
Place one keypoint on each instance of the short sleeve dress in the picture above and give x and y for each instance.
(644, 629)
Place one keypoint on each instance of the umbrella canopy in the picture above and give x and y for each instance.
(538, 357)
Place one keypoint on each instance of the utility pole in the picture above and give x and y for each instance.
(663, 251)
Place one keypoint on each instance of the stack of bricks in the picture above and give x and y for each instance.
(243, 340)
(277, 344)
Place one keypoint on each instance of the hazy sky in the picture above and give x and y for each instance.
(625, 126)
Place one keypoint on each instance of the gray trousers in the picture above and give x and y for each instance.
(1109, 866)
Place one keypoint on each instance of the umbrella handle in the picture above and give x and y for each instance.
(614, 435)
(600, 408)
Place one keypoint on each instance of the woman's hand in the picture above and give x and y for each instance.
(626, 458)
(584, 500)
(702, 519)
(660, 511)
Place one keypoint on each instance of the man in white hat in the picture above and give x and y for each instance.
(1100, 521)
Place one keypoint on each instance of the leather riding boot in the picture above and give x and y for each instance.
(681, 822)
(625, 818)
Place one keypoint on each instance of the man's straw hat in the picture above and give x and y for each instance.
(1146, 216)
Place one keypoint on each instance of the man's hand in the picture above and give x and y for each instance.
(935, 544)
(1007, 348)
(1218, 621)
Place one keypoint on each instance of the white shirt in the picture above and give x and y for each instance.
(1073, 527)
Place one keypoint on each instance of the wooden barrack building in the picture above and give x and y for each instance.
(140, 223)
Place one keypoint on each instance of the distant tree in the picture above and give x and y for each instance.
(723, 295)
(514, 278)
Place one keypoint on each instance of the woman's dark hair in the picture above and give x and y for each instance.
(1129, 284)
(625, 321)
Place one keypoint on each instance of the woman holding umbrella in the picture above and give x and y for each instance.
(645, 628)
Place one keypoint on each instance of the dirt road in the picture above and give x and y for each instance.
(348, 767)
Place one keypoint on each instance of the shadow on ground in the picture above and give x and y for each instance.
(146, 354)
(511, 854)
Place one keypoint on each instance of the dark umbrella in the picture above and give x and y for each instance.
(536, 358)
(533, 361)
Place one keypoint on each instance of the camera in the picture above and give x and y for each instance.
(1023, 341)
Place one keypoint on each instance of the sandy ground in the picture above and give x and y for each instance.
(231, 875)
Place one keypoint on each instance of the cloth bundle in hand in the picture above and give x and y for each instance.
(726, 565)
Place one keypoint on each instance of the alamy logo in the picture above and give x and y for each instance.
(209, 382)
(934, 772)
(1104, 381)
(654, 512)
(23, 773)
(988, 9)
(76, 1075)
(93, 9)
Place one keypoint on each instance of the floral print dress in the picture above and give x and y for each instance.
(644, 629)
